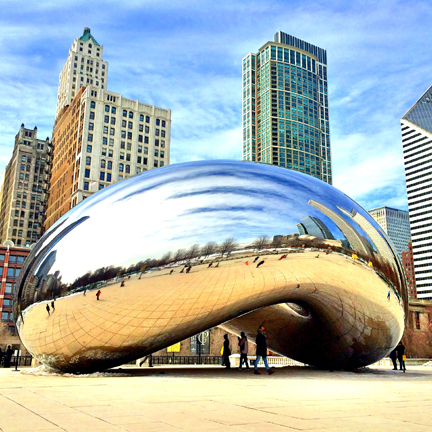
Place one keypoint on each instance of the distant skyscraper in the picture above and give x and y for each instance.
(84, 66)
(395, 223)
(416, 127)
(24, 190)
(285, 107)
(315, 227)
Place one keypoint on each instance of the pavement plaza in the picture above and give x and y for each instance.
(214, 399)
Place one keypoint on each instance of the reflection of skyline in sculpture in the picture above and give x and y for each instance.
(314, 227)
(356, 241)
(183, 215)
(378, 241)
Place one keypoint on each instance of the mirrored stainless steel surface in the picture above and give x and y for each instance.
(178, 250)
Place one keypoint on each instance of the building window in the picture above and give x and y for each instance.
(141, 117)
(89, 149)
(107, 108)
(127, 169)
(92, 103)
(157, 143)
(109, 165)
(103, 163)
(112, 131)
(145, 161)
(121, 167)
(87, 173)
(108, 177)
(106, 119)
(101, 175)
(155, 164)
(128, 157)
(92, 115)
(122, 144)
(139, 159)
(91, 126)
(162, 133)
(124, 113)
(129, 135)
(113, 110)
(157, 132)
(163, 123)
(130, 114)
(146, 140)
(140, 138)
(113, 120)
(156, 153)
(90, 137)
(139, 149)
(105, 129)
(86, 186)
(161, 163)
(147, 129)
(104, 141)
(417, 320)
(147, 119)
(122, 155)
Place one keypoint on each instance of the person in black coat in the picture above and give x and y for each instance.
(226, 352)
(8, 357)
(261, 351)
(400, 353)
(393, 356)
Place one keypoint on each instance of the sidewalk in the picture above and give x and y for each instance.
(214, 399)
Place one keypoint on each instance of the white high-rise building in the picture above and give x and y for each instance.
(395, 223)
(416, 127)
(84, 66)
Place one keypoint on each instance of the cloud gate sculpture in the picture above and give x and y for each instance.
(173, 252)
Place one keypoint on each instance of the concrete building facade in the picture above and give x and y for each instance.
(408, 265)
(395, 223)
(84, 66)
(416, 127)
(285, 107)
(24, 190)
(102, 138)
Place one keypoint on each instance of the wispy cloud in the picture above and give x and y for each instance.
(187, 55)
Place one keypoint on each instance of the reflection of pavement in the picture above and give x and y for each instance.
(161, 309)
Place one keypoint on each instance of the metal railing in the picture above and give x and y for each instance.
(22, 361)
(187, 360)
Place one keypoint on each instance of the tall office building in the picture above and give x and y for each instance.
(99, 138)
(416, 127)
(285, 107)
(395, 223)
(24, 190)
(84, 66)
(408, 265)
(315, 227)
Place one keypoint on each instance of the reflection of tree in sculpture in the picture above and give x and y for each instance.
(228, 246)
(209, 249)
(261, 242)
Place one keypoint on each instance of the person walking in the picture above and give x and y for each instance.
(48, 309)
(393, 356)
(400, 355)
(8, 357)
(261, 351)
(53, 306)
(98, 294)
(243, 344)
(226, 352)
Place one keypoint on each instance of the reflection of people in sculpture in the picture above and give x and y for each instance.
(122, 283)
(226, 352)
(282, 257)
(188, 269)
(48, 309)
(393, 355)
(261, 351)
(53, 306)
(210, 264)
(256, 259)
(98, 294)
(171, 272)
(388, 295)
(260, 263)
(84, 293)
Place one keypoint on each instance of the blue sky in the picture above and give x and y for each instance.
(187, 55)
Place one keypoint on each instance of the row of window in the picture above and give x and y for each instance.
(13, 259)
(12, 272)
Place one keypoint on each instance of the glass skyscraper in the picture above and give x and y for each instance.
(285, 107)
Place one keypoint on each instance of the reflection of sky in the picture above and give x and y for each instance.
(177, 206)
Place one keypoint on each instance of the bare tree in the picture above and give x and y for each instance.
(165, 259)
(193, 251)
(261, 242)
(228, 246)
(179, 255)
(209, 249)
